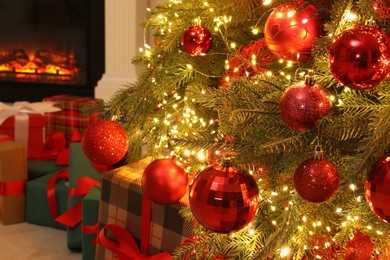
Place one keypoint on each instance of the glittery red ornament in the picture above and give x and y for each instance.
(224, 199)
(359, 57)
(303, 105)
(197, 40)
(377, 188)
(316, 180)
(290, 30)
(381, 8)
(105, 142)
(360, 247)
(164, 181)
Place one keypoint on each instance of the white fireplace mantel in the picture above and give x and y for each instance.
(123, 38)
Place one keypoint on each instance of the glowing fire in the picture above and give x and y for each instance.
(43, 63)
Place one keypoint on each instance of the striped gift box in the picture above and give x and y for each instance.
(76, 113)
(121, 202)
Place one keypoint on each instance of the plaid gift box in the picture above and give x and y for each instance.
(76, 113)
(13, 177)
(121, 205)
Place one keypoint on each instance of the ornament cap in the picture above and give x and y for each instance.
(227, 162)
(309, 78)
(318, 153)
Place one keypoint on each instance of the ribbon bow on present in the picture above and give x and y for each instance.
(21, 110)
(126, 248)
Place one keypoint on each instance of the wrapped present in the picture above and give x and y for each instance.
(90, 209)
(24, 122)
(38, 168)
(121, 206)
(76, 113)
(82, 177)
(47, 199)
(13, 177)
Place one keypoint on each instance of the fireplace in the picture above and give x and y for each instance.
(50, 47)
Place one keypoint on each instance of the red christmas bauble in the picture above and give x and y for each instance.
(291, 29)
(197, 40)
(360, 247)
(381, 8)
(303, 105)
(377, 188)
(224, 199)
(316, 180)
(105, 142)
(359, 57)
(164, 181)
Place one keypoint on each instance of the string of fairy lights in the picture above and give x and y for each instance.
(191, 120)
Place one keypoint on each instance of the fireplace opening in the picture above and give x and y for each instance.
(50, 47)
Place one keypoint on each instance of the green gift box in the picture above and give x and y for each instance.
(38, 168)
(37, 204)
(79, 167)
(90, 210)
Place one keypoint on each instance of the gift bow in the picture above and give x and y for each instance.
(126, 248)
(24, 107)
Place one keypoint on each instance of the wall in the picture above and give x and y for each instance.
(123, 38)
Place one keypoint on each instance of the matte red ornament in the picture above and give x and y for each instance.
(224, 199)
(360, 247)
(303, 105)
(197, 40)
(290, 30)
(359, 57)
(316, 180)
(377, 188)
(164, 181)
(105, 142)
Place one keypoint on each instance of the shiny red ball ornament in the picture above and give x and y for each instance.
(105, 142)
(197, 40)
(224, 199)
(359, 57)
(303, 105)
(291, 28)
(316, 180)
(164, 181)
(360, 247)
(377, 188)
(381, 8)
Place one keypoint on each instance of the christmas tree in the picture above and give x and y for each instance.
(295, 94)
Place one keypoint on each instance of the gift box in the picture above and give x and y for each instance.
(38, 168)
(82, 177)
(121, 205)
(24, 123)
(13, 177)
(76, 113)
(38, 205)
(90, 209)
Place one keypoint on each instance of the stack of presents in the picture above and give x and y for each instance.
(46, 179)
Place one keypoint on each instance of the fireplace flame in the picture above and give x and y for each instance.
(42, 63)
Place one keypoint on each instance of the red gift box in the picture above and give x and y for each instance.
(35, 144)
(76, 113)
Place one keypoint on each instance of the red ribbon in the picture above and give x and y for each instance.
(51, 191)
(73, 216)
(89, 229)
(126, 248)
(63, 155)
(10, 188)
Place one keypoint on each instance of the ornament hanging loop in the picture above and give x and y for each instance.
(318, 153)
(309, 78)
